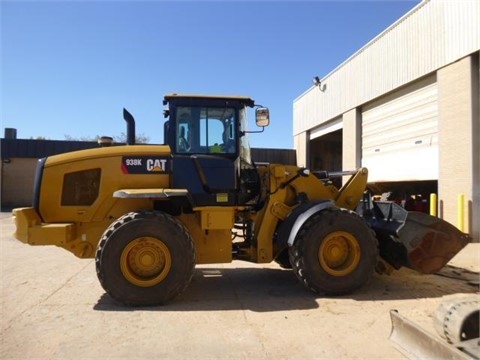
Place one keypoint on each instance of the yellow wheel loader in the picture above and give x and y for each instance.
(149, 213)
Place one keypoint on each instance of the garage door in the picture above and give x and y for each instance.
(17, 178)
(327, 128)
(400, 134)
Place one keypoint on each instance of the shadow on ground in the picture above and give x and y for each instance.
(270, 290)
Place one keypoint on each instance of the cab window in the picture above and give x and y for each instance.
(204, 130)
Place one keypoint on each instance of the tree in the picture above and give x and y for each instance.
(119, 139)
(139, 138)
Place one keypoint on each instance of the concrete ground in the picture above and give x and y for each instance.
(53, 307)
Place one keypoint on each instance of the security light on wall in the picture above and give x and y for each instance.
(318, 83)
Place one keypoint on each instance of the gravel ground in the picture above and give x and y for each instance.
(52, 307)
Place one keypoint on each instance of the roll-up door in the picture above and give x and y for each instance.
(327, 128)
(325, 146)
(400, 134)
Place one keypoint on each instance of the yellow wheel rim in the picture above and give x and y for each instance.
(145, 261)
(339, 253)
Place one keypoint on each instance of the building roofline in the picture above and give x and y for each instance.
(367, 45)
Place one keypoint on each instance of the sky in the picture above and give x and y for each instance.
(68, 68)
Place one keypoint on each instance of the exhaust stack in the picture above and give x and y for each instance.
(130, 127)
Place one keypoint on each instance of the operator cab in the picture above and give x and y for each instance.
(211, 155)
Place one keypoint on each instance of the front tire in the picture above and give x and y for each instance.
(335, 252)
(145, 258)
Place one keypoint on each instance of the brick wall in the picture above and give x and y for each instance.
(458, 141)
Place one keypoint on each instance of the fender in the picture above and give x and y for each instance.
(288, 229)
(177, 197)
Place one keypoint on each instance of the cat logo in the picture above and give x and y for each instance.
(145, 165)
(156, 165)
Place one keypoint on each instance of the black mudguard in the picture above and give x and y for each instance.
(288, 229)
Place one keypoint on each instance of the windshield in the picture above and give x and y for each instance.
(206, 130)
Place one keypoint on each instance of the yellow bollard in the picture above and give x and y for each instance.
(461, 212)
(433, 205)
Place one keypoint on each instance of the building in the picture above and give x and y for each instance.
(406, 106)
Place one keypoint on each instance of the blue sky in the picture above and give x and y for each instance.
(69, 67)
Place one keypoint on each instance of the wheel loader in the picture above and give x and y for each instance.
(149, 214)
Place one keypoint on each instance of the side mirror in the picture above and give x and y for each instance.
(262, 116)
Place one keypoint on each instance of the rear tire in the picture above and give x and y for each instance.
(145, 258)
(335, 252)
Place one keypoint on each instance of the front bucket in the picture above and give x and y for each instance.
(413, 239)
(431, 242)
